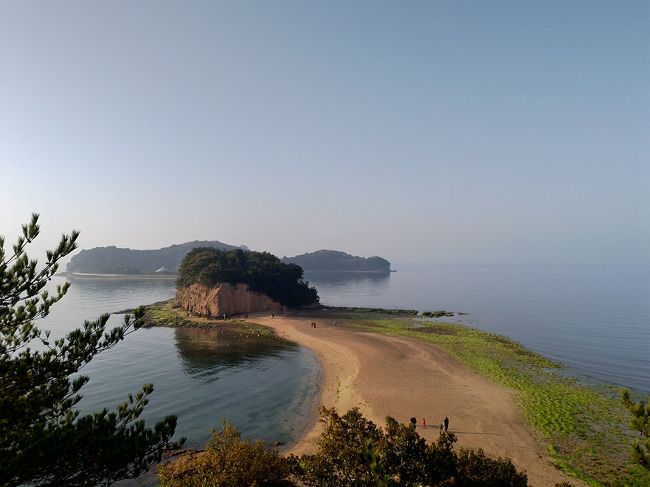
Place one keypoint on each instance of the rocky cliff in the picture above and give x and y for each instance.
(228, 299)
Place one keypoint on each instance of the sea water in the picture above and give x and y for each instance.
(266, 390)
(596, 321)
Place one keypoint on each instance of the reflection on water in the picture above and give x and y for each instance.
(264, 386)
(204, 353)
(357, 286)
(267, 392)
(336, 278)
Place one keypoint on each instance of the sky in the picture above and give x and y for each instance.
(441, 132)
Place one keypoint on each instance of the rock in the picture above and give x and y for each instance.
(228, 299)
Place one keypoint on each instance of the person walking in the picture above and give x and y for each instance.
(446, 421)
(424, 423)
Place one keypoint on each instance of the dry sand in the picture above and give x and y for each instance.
(404, 378)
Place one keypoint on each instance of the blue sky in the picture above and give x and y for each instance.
(447, 132)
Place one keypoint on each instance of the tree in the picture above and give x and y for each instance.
(640, 422)
(261, 271)
(44, 440)
(227, 461)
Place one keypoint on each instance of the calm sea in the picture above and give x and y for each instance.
(266, 391)
(596, 321)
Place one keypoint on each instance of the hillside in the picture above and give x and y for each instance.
(115, 260)
(333, 260)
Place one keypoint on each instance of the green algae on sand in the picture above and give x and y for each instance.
(584, 427)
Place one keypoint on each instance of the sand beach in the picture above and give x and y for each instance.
(402, 377)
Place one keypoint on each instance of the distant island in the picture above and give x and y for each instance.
(116, 260)
(167, 260)
(334, 260)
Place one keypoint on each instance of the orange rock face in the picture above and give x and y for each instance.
(228, 299)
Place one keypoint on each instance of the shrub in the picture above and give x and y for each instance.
(352, 451)
(228, 461)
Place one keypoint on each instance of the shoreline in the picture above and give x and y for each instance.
(89, 275)
(505, 399)
(358, 370)
(96, 275)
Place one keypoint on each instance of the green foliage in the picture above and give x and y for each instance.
(355, 452)
(476, 468)
(261, 271)
(43, 439)
(352, 452)
(640, 422)
(228, 461)
(340, 459)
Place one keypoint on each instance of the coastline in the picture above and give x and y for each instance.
(95, 275)
(402, 377)
(504, 398)
(89, 275)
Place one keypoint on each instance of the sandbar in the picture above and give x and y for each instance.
(403, 378)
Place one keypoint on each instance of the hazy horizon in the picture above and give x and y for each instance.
(441, 132)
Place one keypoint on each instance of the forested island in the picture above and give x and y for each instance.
(255, 275)
(334, 260)
(116, 260)
(167, 260)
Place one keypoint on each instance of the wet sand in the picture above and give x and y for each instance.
(404, 378)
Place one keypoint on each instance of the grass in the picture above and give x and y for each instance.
(584, 428)
(374, 311)
(164, 314)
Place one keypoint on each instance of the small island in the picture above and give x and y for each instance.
(213, 282)
(114, 260)
(334, 260)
